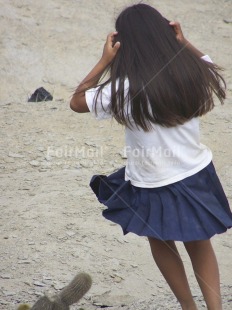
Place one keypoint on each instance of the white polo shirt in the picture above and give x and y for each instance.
(161, 156)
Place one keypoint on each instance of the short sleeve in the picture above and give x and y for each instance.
(207, 58)
(102, 103)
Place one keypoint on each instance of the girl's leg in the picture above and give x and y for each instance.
(206, 270)
(170, 264)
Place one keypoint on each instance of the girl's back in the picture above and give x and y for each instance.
(160, 156)
(158, 87)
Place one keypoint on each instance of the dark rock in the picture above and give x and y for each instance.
(40, 95)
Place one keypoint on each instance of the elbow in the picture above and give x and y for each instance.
(78, 104)
(74, 105)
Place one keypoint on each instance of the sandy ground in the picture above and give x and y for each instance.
(51, 223)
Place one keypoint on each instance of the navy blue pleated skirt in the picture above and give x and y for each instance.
(195, 208)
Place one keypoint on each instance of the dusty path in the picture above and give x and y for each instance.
(51, 224)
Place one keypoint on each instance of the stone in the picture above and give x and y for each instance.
(39, 95)
(34, 163)
(15, 155)
(38, 283)
(9, 293)
(5, 276)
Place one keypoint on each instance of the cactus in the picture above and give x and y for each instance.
(24, 307)
(76, 289)
(69, 295)
(47, 303)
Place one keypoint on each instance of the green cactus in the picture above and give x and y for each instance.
(76, 289)
(49, 303)
(68, 296)
(24, 307)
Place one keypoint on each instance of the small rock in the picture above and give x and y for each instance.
(134, 266)
(21, 257)
(5, 276)
(43, 169)
(34, 163)
(118, 279)
(14, 155)
(24, 262)
(39, 294)
(47, 278)
(38, 283)
(70, 233)
(58, 285)
(227, 21)
(9, 293)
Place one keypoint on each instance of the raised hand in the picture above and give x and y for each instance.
(181, 38)
(110, 49)
(179, 34)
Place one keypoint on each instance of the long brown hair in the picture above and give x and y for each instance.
(168, 83)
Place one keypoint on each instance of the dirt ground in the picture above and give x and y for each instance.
(51, 223)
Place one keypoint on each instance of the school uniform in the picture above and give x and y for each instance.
(169, 188)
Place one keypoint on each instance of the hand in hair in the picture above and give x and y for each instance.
(180, 37)
(110, 49)
(179, 33)
(78, 102)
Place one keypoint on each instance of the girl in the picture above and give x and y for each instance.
(158, 86)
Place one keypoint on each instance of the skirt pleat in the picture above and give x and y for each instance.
(195, 208)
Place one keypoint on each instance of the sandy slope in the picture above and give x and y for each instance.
(51, 224)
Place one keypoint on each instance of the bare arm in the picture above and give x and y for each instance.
(180, 37)
(78, 102)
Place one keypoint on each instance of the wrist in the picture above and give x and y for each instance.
(185, 42)
(104, 62)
